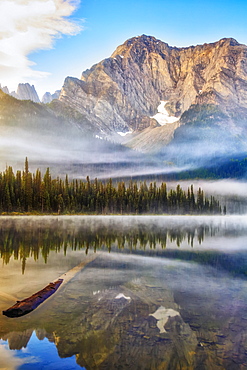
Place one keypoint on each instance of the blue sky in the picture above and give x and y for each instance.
(108, 23)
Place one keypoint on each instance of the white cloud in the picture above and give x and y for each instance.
(8, 360)
(27, 26)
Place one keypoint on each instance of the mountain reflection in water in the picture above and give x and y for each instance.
(171, 294)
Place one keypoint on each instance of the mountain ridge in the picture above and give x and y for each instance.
(122, 92)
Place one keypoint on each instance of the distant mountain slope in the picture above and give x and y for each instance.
(26, 114)
(27, 92)
(31, 129)
(24, 92)
(206, 135)
(59, 137)
(48, 97)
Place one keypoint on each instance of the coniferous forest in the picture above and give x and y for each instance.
(26, 192)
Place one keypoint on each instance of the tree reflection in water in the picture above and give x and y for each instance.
(25, 237)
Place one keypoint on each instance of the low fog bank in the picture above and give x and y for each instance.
(79, 155)
(231, 193)
(76, 154)
(210, 150)
(225, 187)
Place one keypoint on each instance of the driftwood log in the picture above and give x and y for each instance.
(21, 308)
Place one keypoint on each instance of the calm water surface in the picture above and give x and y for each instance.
(154, 292)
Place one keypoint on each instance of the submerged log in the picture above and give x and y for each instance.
(21, 308)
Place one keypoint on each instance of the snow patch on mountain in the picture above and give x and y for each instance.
(124, 133)
(163, 117)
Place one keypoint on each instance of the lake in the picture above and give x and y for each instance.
(139, 292)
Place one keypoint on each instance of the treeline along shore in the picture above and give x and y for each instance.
(26, 192)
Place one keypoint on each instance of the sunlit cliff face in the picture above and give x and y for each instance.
(123, 93)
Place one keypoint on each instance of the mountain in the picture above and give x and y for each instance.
(48, 97)
(38, 131)
(4, 89)
(60, 137)
(24, 92)
(148, 109)
(147, 90)
(27, 92)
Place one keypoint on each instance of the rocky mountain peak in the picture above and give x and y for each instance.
(150, 42)
(228, 41)
(27, 92)
(140, 45)
(4, 89)
(48, 97)
(24, 92)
